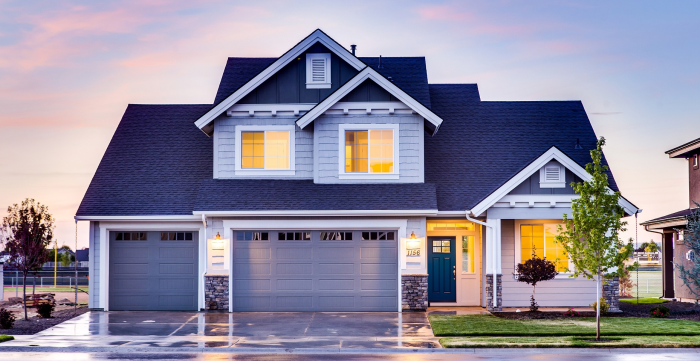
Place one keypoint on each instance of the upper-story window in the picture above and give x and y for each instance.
(318, 70)
(552, 175)
(265, 150)
(695, 161)
(369, 151)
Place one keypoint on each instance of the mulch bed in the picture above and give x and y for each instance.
(38, 324)
(687, 311)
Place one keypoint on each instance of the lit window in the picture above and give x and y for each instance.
(468, 254)
(265, 150)
(539, 240)
(369, 151)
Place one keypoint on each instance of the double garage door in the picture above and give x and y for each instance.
(315, 271)
(153, 270)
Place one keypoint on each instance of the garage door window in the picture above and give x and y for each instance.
(175, 236)
(252, 236)
(131, 236)
(295, 236)
(336, 235)
(378, 235)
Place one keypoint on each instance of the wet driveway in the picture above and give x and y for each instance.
(238, 330)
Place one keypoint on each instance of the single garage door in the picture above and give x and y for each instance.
(153, 270)
(279, 271)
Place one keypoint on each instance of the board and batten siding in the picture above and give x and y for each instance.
(560, 292)
(411, 135)
(531, 185)
(94, 265)
(225, 146)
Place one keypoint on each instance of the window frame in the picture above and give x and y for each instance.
(367, 175)
(239, 171)
(518, 246)
(310, 84)
(695, 161)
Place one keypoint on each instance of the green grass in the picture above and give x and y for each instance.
(487, 325)
(644, 301)
(5, 338)
(571, 341)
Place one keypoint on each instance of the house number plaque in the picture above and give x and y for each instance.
(413, 252)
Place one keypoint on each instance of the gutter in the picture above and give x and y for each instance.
(495, 278)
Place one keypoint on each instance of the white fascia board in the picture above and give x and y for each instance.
(369, 73)
(317, 36)
(273, 213)
(140, 218)
(551, 154)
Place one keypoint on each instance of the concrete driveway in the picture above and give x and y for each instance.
(128, 330)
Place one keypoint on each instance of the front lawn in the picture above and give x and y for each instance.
(487, 325)
(644, 301)
(5, 338)
(568, 342)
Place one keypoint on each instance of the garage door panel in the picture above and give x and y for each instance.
(336, 269)
(295, 284)
(175, 301)
(297, 253)
(379, 284)
(339, 302)
(336, 284)
(131, 301)
(134, 253)
(377, 252)
(294, 302)
(242, 268)
(176, 252)
(295, 269)
(130, 269)
(252, 285)
(130, 284)
(252, 303)
(176, 268)
(379, 269)
(335, 252)
(251, 254)
(176, 284)
(378, 302)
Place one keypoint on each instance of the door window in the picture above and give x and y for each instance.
(441, 246)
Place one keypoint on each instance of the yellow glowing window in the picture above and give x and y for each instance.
(539, 240)
(369, 151)
(265, 150)
(468, 253)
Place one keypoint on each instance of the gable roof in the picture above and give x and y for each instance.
(317, 36)
(369, 74)
(684, 150)
(482, 145)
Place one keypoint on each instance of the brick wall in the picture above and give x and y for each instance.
(216, 292)
(499, 293)
(414, 291)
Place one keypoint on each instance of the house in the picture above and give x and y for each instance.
(324, 181)
(671, 226)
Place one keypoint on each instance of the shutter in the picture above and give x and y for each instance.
(318, 70)
(551, 174)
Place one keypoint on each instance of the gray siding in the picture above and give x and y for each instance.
(531, 186)
(411, 135)
(94, 265)
(369, 91)
(579, 292)
(225, 146)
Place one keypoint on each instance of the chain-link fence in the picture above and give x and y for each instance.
(45, 279)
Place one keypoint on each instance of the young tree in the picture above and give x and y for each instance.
(27, 231)
(651, 248)
(691, 239)
(533, 271)
(591, 235)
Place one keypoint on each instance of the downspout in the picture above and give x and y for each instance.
(495, 278)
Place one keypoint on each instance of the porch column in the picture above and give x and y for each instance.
(493, 265)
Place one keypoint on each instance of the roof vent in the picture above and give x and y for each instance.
(352, 48)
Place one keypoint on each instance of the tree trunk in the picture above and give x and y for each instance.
(597, 312)
(34, 284)
(24, 293)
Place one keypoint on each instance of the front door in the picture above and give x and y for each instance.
(442, 274)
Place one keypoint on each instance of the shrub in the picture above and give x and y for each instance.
(7, 319)
(603, 306)
(660, 312)
(44, 309)
(571, 313)
(533, 271)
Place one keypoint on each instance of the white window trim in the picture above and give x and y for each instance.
(310, 84)
(361, 175)
(560, 184)
(518, 255)
(239, 171)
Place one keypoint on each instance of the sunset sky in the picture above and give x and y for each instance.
(68, 69)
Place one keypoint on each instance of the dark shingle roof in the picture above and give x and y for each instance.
(407, 73)
(676, 215)
(154, 164)
(266, 195)
(481, 145)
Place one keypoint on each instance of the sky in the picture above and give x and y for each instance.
(68, 69)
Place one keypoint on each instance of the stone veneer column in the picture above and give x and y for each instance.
(489, 293)
(611, 293)
(414, 291)
(216, 292)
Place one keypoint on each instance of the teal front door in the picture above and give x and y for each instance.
(442, 275)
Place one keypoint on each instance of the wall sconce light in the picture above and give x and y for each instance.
(413, 242)
(218, 236)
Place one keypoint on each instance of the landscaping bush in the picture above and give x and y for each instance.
(660, 312)
(44, 309)
(603, 306)
(571, 313)
(7, 319)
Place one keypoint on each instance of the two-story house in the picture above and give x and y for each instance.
(324, 181)
(671, 226)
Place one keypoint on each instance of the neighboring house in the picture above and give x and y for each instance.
(671, 226)
(322, 181)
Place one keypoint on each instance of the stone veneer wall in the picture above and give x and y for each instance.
(611, 293)
(489, 293)
(414, 291)
(216, 292)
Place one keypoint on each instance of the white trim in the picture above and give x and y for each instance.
(275, 213)
(559, 183)
(401, 225)
(551, 154)
(367, 175)
(239, 171)
(535, 201)
(326, 82)
(295, 109)
(518, 252)
(140, 218)
(275, 110)
(316, 37)
(369, 73)
(105, 229)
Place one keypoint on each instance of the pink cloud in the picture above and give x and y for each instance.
(443, 13)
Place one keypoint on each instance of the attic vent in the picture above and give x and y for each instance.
(552, 176)
(318, 70)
